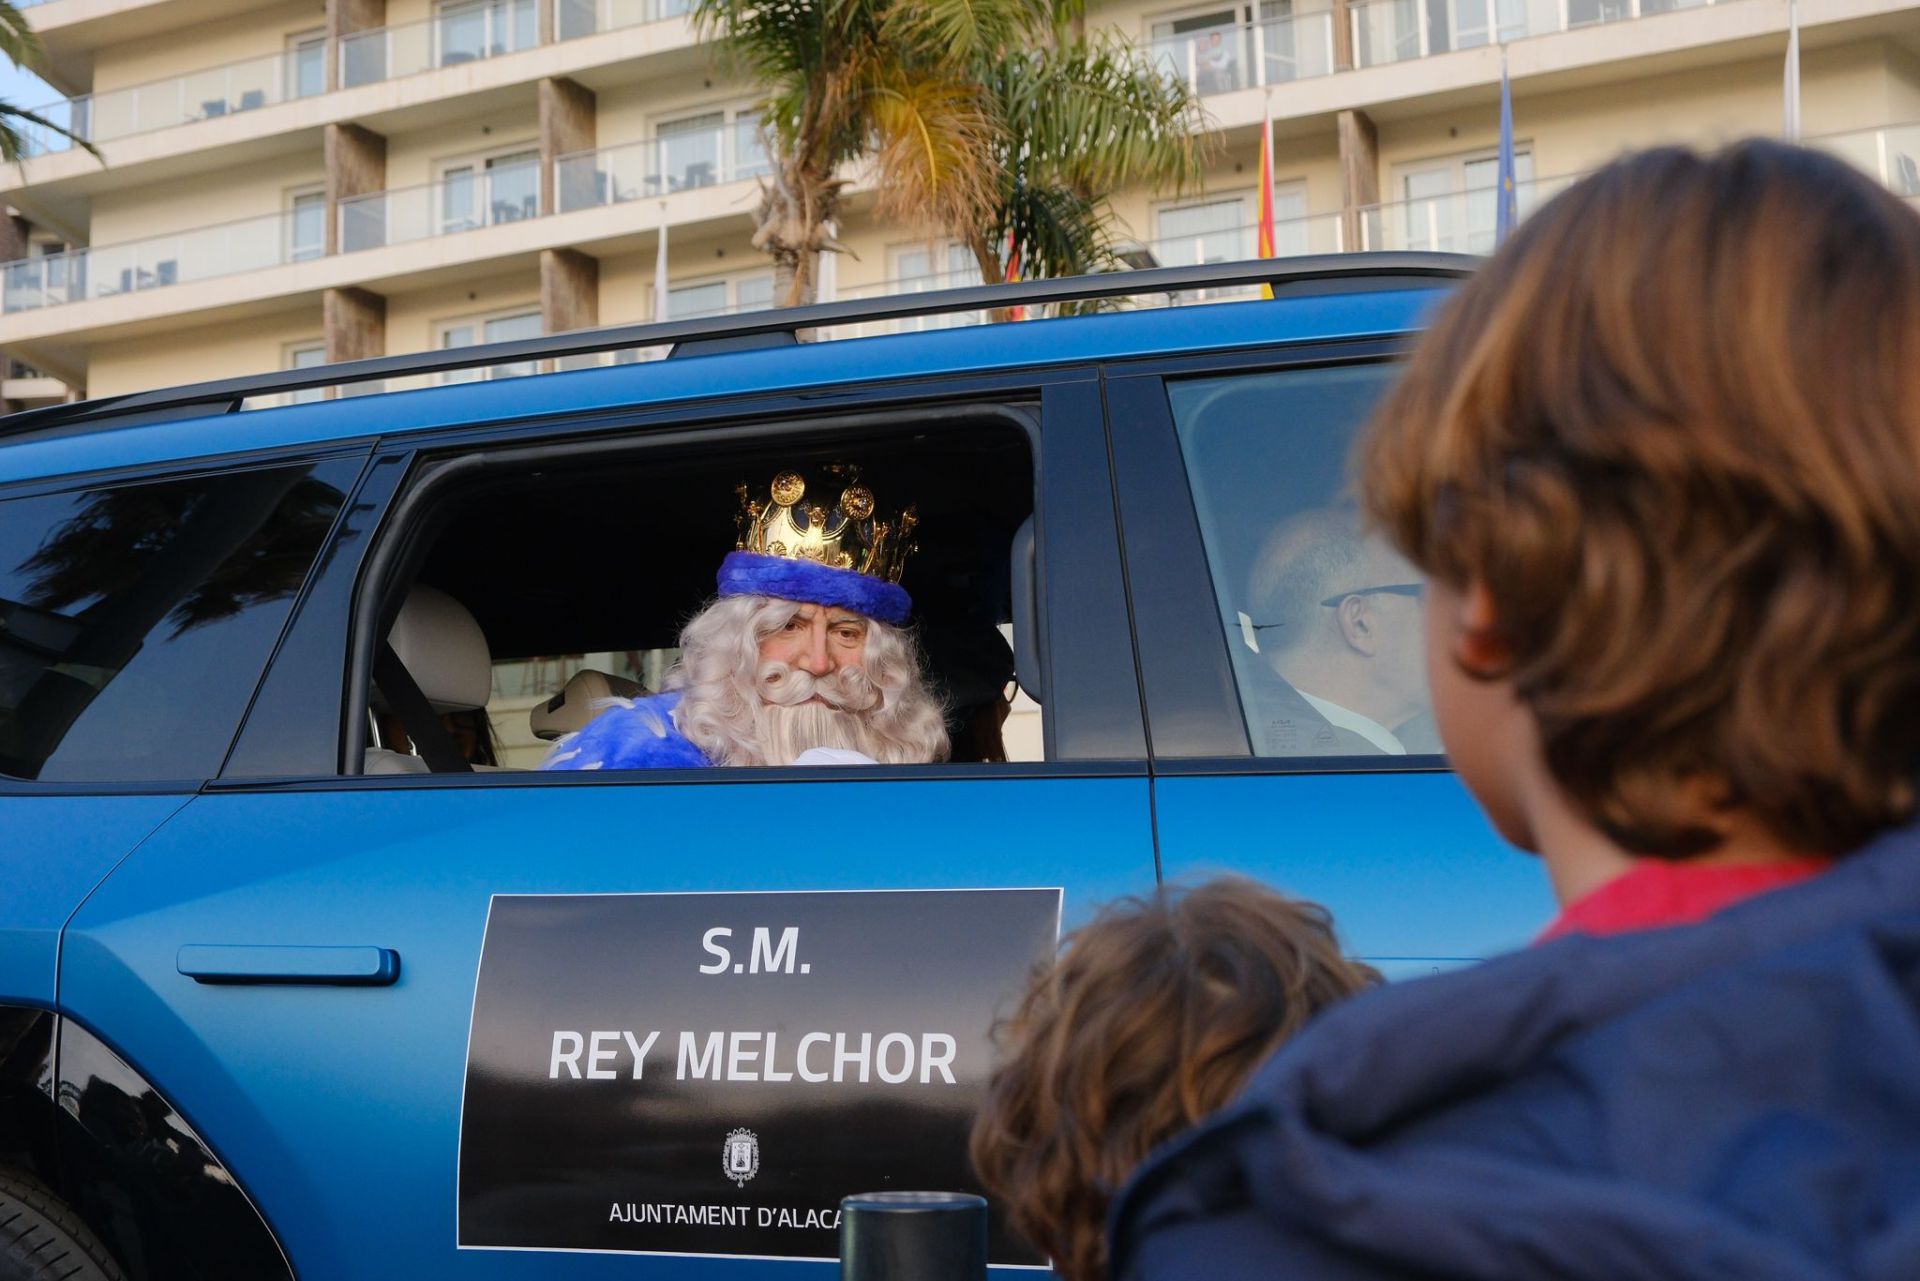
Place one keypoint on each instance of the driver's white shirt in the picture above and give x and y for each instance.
(1365, 726)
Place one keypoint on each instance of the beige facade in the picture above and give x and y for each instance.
(291, 181)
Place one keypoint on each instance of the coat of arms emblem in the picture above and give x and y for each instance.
(740, 1156)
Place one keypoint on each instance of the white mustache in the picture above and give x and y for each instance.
(846, 689)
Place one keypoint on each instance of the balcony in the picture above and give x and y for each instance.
(1233, 56)
(1890, 153)
(465, 198)
(1387, 31)
(457, 35)
(659, 166)
(230, 248)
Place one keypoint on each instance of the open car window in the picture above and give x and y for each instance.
(560, 591)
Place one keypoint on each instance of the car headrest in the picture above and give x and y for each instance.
(444, 650)
(579, 701)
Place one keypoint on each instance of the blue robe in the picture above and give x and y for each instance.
(636, 734)
(1734, 1099)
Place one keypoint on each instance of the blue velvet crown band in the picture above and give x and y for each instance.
(751, 574)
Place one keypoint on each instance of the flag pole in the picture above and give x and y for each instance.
(1507, 211)
(1791, 128)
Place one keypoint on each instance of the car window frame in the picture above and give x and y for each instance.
(1093, 695)
(1195, 721)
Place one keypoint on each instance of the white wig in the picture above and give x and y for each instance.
(741, 710)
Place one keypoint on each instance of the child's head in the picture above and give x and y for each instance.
(1660, 459)
(1153, 1016)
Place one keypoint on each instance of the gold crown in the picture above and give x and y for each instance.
(845, 535)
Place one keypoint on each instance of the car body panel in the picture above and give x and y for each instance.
(91, 834)
(339, 1106)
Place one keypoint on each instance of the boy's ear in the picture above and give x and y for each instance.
(1478, 646)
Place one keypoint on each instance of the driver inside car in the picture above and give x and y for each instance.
(803, 658)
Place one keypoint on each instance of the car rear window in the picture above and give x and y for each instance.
(135, 619)
(1323, 620)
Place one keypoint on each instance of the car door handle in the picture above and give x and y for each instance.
(247, 963)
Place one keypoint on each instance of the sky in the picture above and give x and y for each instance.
(24, 89)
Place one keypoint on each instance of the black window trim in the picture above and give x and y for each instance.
(1068, 403)
(1195, 723)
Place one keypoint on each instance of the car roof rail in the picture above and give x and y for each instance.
(780, 326)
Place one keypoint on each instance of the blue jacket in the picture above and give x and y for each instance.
(1735, 1099)
(636, 734)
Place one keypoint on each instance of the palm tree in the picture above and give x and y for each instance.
(1080, 117)
(21, 46)
(890, 82)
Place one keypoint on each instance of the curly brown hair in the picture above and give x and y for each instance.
(1153, 1016)
(1673, 429)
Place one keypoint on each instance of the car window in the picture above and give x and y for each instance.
(565, 636)
(1323, 619)
(135, 619)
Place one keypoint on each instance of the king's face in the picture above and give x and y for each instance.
(818, 640)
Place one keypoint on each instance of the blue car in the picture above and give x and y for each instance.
(307, 970)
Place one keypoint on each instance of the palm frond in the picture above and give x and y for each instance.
(13, 143)
(934, 145)
(19, 43)
(1097, 115)
(955, 33)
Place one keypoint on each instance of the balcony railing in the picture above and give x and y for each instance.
(467, 32)
(464, 199)
(659, 166)
(1221, 59)
(1387, 31)
(1890, 153)
(203, 253)
(475, 197)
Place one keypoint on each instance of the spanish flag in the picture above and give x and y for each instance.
(1013, 275)
(1267, 240)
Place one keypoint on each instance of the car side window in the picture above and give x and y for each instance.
(517, 637)
(1323, 619)
(135, 619)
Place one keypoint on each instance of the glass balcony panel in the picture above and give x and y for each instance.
(1294, 48)
(1210, 59)
(1890, 154)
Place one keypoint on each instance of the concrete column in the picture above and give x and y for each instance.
(356, 165)
(1344, 58)
(344, 17)
(567, 125)
(355, 324)
(569, 292)
(1359, 175)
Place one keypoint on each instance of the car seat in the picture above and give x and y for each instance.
(440, 645)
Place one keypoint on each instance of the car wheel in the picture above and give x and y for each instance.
(42, 1239)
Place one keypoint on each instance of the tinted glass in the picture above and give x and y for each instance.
(1323, 622)
(135, 620)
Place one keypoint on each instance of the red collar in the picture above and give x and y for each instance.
(1657, 892)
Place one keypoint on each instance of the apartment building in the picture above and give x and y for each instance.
(287, 182)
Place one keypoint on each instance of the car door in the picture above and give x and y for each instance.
(332, 1079)
(1262, 584)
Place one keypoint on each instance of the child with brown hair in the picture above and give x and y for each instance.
(1152, 1017)
(1660, 461)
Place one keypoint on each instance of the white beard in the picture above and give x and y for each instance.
(794, 711)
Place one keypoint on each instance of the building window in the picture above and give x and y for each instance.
(1452, 203)
(306, 224)
(720, 297)
(306, 355)
(482, 192)
(507, 327)
(1204, 48)
(472, 29)
(1213, 231)
(306, 64)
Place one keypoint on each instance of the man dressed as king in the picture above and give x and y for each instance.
(802, 658)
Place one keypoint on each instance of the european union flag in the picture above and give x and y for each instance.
(1507, 210)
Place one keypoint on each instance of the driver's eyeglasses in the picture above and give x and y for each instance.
(1415, 590)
